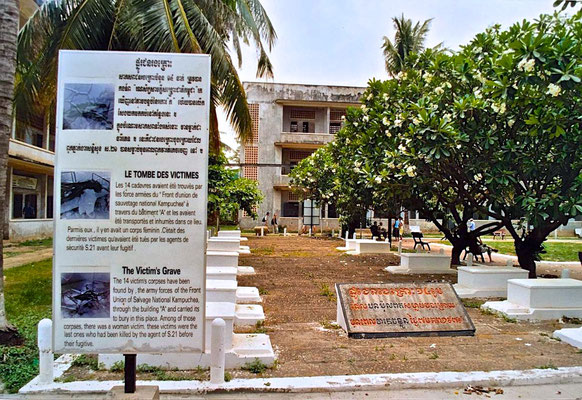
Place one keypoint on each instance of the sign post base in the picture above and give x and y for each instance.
(141, 393)
(130, 372)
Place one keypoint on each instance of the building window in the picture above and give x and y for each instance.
(290, 209)
(289, 204)
(24, 206)
(334, 127)
(331, 211)
(26, 191)
(302, 114)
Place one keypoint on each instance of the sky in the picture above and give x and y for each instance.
(338, 42)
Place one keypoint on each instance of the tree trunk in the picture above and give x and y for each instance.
(456, 253)
(8, 33)
(526, 256)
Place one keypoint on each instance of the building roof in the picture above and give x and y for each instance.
(303, 94)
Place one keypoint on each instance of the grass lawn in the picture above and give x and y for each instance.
(28, 295)
(555, 251)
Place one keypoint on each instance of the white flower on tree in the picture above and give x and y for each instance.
(526, 65)
(554, 90)
(411, 170)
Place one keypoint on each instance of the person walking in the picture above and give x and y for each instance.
(266, 220)
(274, 223)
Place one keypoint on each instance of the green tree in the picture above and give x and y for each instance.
(181, 26)
(494, 129)
(408, 39)
(228, 193)
(529, 78)
(8, 31)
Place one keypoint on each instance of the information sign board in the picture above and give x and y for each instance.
(130, 202)
(401, 309)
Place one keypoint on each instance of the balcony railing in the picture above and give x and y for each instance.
(28, 152)
(307, 139)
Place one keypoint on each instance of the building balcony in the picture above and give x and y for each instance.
(21, 153)
(293, 140)
(282, 182)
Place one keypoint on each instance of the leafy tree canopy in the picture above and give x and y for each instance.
(494, 128)
(228, 192)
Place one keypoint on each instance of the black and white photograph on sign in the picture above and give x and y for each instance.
(88, 106)
(85, 194)
(85, 295)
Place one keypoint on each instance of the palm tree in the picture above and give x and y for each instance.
(407, 39)
(8, 31)
(181, 26)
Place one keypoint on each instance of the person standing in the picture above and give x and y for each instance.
(471, 225)
(401, 227)
(274, 223)
(396, 229)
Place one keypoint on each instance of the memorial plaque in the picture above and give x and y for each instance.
(376, 310)
(130, 202)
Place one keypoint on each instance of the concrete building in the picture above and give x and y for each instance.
(290, 122)
(29, 199)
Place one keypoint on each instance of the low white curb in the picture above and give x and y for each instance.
(424, 380)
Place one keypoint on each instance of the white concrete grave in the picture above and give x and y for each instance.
(227, 244)
(222, 273)
(367, 246)
(481, 281)
(221, 258)
(245, 270)
(219, 291)
(349, 245)
(572, 336)
(223, 244)
(248, 295)
(248, 314)
(232, 234)
(244, 348)
(223, 310)
(540, 299)
(422, 263)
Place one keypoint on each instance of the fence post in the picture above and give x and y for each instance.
(45, 350)
(217, 351)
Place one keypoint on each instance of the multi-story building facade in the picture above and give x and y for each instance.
(290, 122)
(29, 198)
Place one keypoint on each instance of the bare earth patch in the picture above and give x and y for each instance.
(293, 276)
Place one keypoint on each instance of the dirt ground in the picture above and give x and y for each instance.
(16, 254)
(292, 274)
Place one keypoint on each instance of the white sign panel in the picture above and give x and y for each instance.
(130, 202)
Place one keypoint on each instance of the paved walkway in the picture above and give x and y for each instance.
(547, 392)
